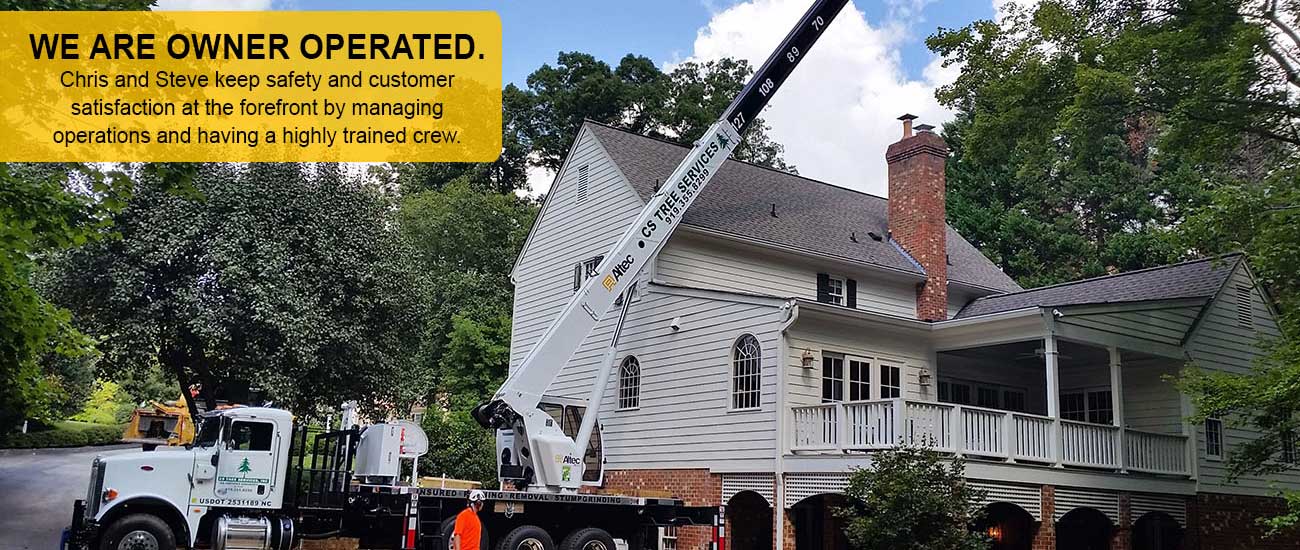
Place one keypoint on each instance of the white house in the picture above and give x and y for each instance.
(791, 327)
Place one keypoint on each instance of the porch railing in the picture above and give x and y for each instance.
(985, 433)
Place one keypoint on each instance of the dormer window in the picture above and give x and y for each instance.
(837, 290)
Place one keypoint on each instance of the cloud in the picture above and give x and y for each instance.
(213, 5)
(837, 112)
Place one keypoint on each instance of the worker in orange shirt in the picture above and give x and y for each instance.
(465, 535)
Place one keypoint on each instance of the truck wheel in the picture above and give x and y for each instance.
(139, 532)
(590, 538)
(527, 537)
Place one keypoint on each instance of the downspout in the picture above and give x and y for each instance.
(792, 309)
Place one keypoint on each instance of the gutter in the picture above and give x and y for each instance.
(778, 475)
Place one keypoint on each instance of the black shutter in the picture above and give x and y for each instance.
(823, 287)
(577, 276)
(851, 293)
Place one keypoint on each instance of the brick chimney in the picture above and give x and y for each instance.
(917, 213)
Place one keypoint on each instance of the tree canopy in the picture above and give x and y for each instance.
(289, 277)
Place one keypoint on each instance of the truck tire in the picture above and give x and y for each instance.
(588, 538)
(138, 532)
(449, 526)
(527, 537)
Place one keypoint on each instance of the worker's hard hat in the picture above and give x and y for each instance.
(476, 496)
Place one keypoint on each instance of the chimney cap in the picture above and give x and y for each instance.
(907, 117)
(924, 127)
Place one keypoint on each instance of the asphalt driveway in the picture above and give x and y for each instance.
(37, 488)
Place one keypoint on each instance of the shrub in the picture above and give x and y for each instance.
(92, 435)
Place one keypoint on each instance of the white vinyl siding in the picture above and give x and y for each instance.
(697, 261)
(805, 385)
(1221, 343)
(567, 234)
(1166, 326)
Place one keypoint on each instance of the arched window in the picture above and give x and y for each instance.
(629, 383)
(746, 373)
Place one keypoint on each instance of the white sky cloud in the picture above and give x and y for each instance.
(837, 113)
(213, 5)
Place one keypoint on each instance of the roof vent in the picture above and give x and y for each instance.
(773, 210)
(875, 236)
(656, 185)
(853, 236)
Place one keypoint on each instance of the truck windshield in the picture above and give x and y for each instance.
(209, 431)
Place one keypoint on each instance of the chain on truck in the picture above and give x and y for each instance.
(252, 480)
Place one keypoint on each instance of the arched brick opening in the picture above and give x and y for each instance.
(749, 522)
(1009, 526)
(1083, 529)
(1157, 531)
(816, 525)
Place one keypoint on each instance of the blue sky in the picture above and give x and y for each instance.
(835, 115)
(662, 30)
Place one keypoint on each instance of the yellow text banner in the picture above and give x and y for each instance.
(250, 86)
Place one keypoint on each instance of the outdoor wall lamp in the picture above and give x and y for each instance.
(924, 377)
(807, 359)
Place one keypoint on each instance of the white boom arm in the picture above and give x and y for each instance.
(515, 404)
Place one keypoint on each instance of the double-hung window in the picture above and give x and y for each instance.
(1092, 406)
(1214, 438)
(584, 270)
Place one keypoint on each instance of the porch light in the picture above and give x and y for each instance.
(807, 359)
(995, 533)
(923, 377)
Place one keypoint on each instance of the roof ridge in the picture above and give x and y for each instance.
(1111, 275)
(732, 159)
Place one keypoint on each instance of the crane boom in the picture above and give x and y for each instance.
(522, 390)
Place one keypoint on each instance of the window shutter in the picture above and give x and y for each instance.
(823, 287)
(577, 276)
(851, 293)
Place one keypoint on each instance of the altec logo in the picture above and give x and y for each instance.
(619, 271)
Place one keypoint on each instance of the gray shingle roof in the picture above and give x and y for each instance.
(1194, 279)
(811, 215)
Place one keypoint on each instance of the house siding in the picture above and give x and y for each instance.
(1166, 326)
(684, 419)
(1219, 343)
(803, 386)
(702, 262)
(567, 232)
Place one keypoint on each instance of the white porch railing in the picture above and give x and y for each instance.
(985, 433)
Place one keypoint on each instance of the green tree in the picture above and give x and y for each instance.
(1088, 130)
(679, 105)
(290, 277)
(465, 242)
(912, 499)
(464, 450)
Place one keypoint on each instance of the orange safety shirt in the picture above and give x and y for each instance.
(468, 528)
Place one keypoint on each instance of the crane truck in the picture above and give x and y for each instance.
(252, 480)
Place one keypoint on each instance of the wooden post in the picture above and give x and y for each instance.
(1117, 407)
(1009, 435)
(1050, 357)
(841, 426)
(958, 430)
(900, 421)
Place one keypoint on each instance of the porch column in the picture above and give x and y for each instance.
(1117, 406)
(1053, 394)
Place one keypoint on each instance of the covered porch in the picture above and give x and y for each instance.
(1046, 388)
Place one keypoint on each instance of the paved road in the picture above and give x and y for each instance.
(36, 493)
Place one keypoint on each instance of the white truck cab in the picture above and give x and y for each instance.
(146, 500)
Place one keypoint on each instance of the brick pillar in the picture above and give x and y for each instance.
(1122, 537)
(917, 212)
(1045, 537)
(787, 541)
(1192, 531)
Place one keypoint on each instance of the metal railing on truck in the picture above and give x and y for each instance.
(321, 477)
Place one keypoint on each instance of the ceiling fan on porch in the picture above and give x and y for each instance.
(1038, 353)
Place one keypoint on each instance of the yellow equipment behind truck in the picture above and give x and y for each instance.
(167, 423)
